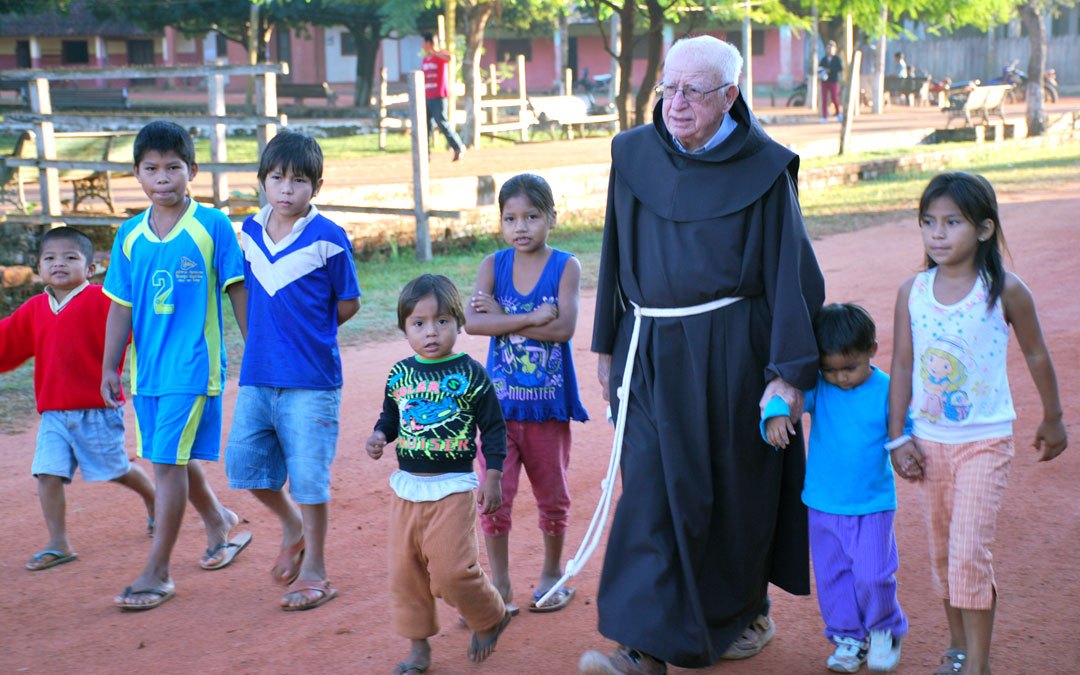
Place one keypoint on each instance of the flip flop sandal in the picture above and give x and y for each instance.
(559, 599)
(233, 547)
(288, 573)
(475, 646)
(952, 661)
(149, 527)
(163, 596)
(513, 609)
(318, 585)
(403, 668)
(58, 558)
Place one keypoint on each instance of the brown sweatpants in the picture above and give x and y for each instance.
(434, 554)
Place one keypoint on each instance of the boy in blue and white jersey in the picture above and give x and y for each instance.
(302, 284)
(168, 269)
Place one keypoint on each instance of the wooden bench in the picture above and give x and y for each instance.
(914, 89)
(83, 146)
(299, 91)
(982, 99)
(86, 99)
(567, 112)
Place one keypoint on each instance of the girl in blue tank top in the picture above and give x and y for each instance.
(526, 299)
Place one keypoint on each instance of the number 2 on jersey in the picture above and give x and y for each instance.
(162, 281)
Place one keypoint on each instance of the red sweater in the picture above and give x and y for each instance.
(68, 348)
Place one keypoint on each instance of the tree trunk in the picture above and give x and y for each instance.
(368, 35)
(627, 17)
(476, 18)
(1036, 28)
(643, 101)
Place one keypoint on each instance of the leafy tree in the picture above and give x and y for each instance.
(11, 10)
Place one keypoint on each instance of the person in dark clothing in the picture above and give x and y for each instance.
(831, 69)
(707, 269)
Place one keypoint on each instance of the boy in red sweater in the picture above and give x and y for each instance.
(64, 329)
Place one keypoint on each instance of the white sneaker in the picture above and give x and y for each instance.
(884, 651)
(849, 655)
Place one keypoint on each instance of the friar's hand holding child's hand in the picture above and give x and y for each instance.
(375, 444)
(489, 496)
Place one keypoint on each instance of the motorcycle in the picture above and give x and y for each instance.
(590, 86)
(1011, 74)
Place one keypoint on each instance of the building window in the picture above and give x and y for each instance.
(757, 40)
(22, 54)
(74, 52)
(348, 44)
(507, 49)
(221, 46)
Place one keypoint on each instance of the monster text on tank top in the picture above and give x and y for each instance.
(534, 379)
(959, 385)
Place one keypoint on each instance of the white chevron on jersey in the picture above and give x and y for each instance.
(278, 274)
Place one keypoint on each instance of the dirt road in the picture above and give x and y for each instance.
(229, 621)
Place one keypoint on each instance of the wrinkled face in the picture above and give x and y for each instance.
(694, 123)
(164, 177)
(847, 371)
(524, 226)
(289, 193)
(62, 265)
(431, 332)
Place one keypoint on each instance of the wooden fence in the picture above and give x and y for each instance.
(983, 58)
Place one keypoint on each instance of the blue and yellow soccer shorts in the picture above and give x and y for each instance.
(175, 428)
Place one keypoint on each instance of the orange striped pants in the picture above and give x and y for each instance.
(962, 489)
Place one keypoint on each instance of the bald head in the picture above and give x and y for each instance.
(707, 53)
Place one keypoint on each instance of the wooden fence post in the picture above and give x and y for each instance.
(218, 136)
(265, 106)
(49, 179)
(523, 108)
(418, 115)
(383, 93)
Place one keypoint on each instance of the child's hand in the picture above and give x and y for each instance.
(110, 389)
(483, 303)
(489, 496)
(778, 430)
(1050, 439)
(544, 313)
(375, 444)
(907, 461)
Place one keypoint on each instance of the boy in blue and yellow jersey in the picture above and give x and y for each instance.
(168, 268)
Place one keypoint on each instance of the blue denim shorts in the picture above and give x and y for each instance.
(280, 434)
(91, 439)
(175, 428)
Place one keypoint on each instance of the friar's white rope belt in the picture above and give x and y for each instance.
(596, 526)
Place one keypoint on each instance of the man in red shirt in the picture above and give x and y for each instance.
(436, 65)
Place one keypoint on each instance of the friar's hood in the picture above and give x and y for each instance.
(721, 181)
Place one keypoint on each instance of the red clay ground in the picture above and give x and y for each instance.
(228, 621)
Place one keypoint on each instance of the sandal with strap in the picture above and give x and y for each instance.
(952, 661)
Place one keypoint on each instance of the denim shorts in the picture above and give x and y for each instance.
(91, 439)
(175, 428)
(280, 434)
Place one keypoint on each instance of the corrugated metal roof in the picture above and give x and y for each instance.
(79, 21)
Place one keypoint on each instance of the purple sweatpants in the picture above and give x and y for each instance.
(855, 565)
